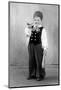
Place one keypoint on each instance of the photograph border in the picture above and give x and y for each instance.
(9, 2)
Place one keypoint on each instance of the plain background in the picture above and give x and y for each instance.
(4, 45)
(20, 14)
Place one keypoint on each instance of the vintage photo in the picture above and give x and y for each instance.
(33, 44)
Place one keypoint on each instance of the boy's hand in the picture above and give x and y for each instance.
(29, 25)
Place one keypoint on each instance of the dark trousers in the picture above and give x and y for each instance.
(35, 59)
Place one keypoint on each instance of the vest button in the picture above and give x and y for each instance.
(35, 39)
(31, 39)
(32, 33)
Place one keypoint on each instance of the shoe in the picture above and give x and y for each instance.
(31, 77)
(39, 78)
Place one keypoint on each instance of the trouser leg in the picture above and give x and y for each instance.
(31, 58)
(39, 57)
(34, 66)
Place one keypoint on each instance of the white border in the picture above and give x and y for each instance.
(4, 43)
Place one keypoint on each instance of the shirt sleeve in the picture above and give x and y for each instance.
(44, 39)
(27, 32)
(27, 35)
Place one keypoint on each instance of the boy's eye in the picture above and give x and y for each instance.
(36, 19)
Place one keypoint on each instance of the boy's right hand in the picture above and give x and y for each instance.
(30, 26)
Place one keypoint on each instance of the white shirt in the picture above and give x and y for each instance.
(43, 37)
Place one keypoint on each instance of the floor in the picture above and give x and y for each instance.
(18, 76)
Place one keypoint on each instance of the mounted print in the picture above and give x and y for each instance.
(33, 40)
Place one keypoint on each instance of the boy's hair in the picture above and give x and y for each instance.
(38, 14)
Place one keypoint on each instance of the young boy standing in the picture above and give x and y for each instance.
(37, 46)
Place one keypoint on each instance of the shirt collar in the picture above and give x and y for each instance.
(40, 26)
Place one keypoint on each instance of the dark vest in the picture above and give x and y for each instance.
(35, 37)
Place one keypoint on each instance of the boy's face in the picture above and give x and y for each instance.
(37, 21)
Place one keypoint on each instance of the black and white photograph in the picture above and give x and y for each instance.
(33, 44)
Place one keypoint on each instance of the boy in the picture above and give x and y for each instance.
(37, 46)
